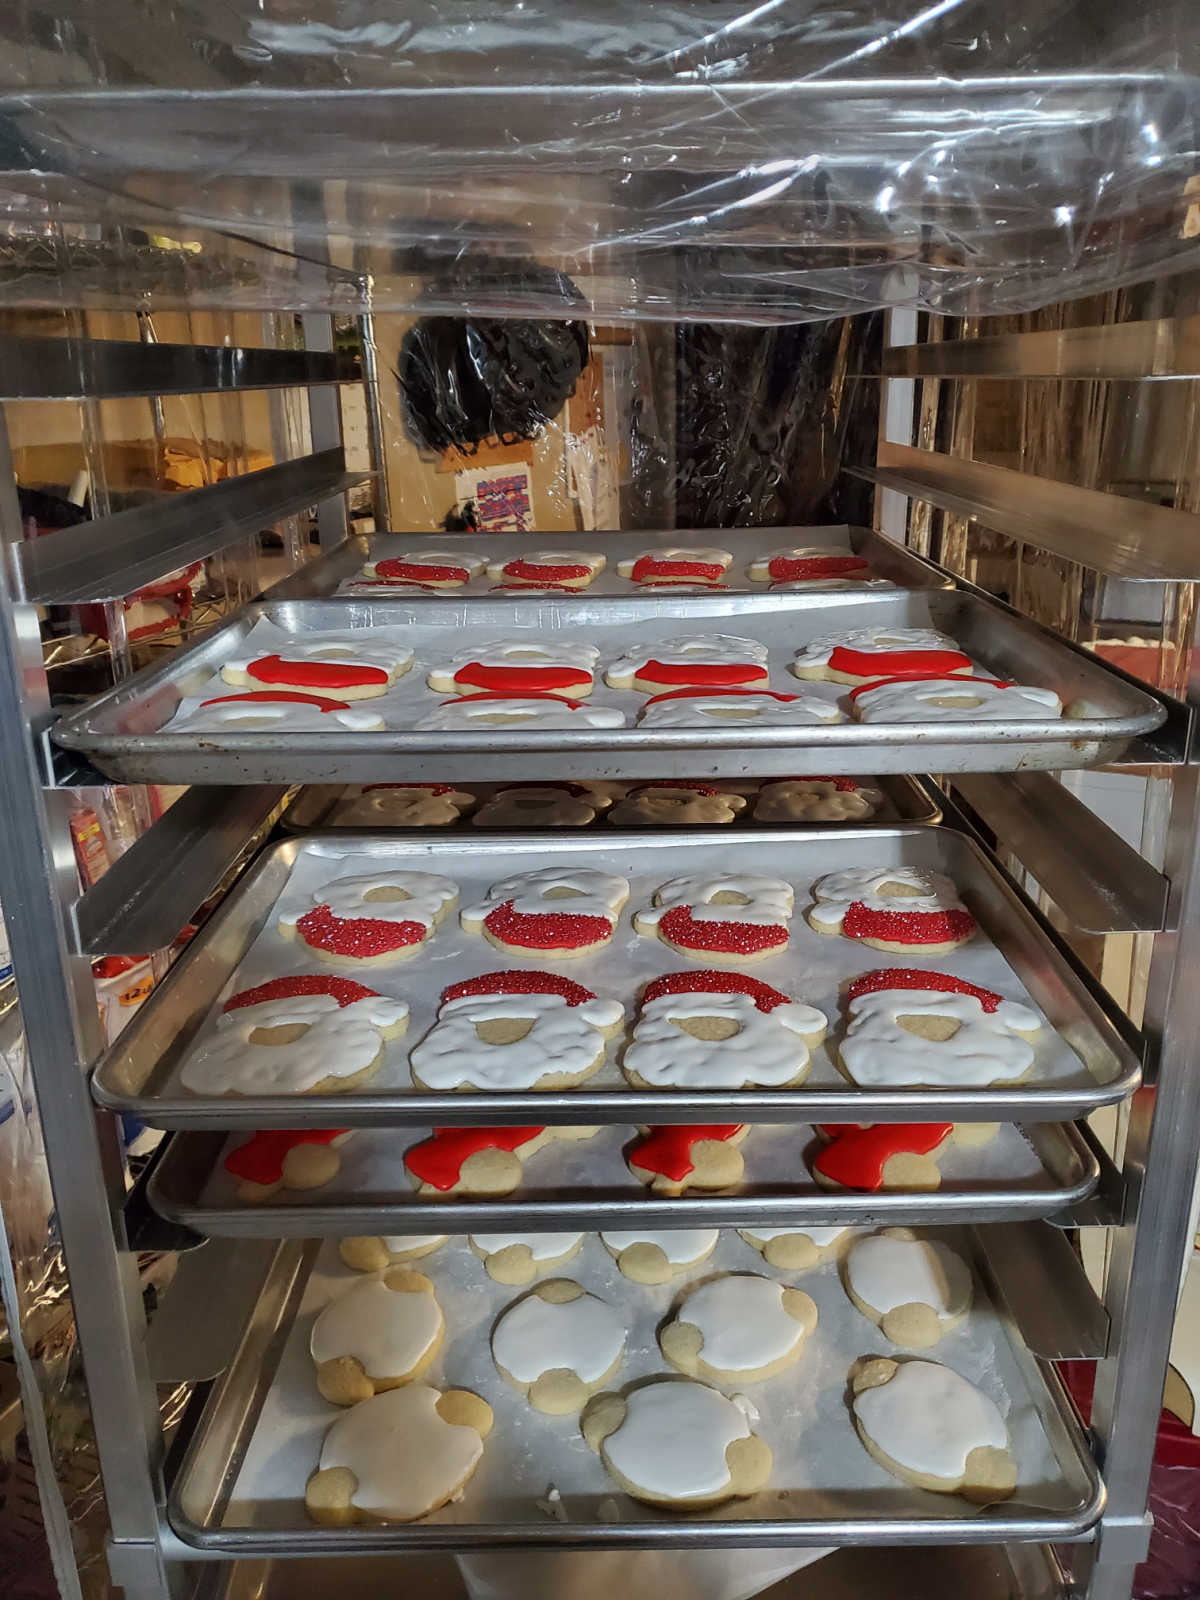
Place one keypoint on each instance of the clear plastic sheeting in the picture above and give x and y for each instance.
(703, 160)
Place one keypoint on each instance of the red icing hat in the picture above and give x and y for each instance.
(344, 990)
(514, 982)
(281, 697)
(915, 978)
(709, 981)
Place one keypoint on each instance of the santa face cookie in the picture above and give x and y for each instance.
(965, 699)
(701, 566)
(816, 800)
(398, 1456)
(806, 564)
(431, 569)
(932, 1428)
(279, 710)
(509, 1031)
(374, 1253)
(674, 805)
(558, 1345)
(678, 1444)
(738, 1328)
(406, 805)
(720, 1030)
(517, 1258)
(724, 921)
(279, 1158)
(555, 569)
(700, 708)
(868, 1157)
(382, 1333)
(373, 919)
(475, 712)
(657, 1257)
(796, 1249)
(705, 661)
(914, 1290)
(306, 1034)
(342, 666)
(519, 667)
(910, 1028)
(892, 908)
(865, 654)
(538, 805)
(557, 912)
(675, 1157)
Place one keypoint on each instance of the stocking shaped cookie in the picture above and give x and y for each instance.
(914, 1290)
(678, 1444)
(882, 1155)
(953, 699)
(344, 666)
(738, 1328)
(559, 569)
(381, 1333)
(700, 708)
(805, 564)
(678, 1156)
(892, 908)
(405, 805)
(520, 1257)
(306, 1034)
(538, 805)
(816, 800)
(557, 912)
(282, 710)
(796, 1249)
(722, 920)
(509, 1031)
(398, 1456)
(865, 654)
(676, 564)
(911, 1028)
(517, 667)
(720, 1030)
(516, 711)
(372, 1253)
(372, 919)
(682, 804)
(706, 661)
(279, 1158)
(432, 569)
(558, 1345)
(656, 1257)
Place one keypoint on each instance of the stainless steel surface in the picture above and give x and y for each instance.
(376, 435)
(1101, 883)
(208, 1507)
(122, 731)
(139, 1073)
(189, 1187)
(1133, 539)
(114, 555)
(1033, 1270)
(33, 368)
(325, 431)
(198, 1325)
(1165, 348)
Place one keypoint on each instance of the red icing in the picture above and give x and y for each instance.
(715, 674)
(439, 1161)
(358, 937)
(914, 978)
(789, 569)
(514, 982)
(518, 680)
(433, 788)
(907, 927)
(679, 927)
(317, 674)
(910, 677)
(857, 1156)
(545, 930)
(667, 1150)
(711, 982)
(281, 697)
(700, 694)
(662, 568)
(344, 990)
(849, 785)
(546, 572)
(421, 572)
(507, 694)
(897, 664)
(260, 1159)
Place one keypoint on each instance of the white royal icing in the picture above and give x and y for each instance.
(886, 1272)
(820, 1237)
(418, 806)
(878, 640)
(691, 650)
(397, 1243)
(518, 712)
(673, 553)
(813, 799)
(986, 1049)
(769, 901)
(743, 1322)
(534, 1336)
(681, 1246)
(405, 1458)
(563, 1038)
(515, 654)
(428, 894)
(673, 1440)
(767, 1050)
(596, 894)
(721, 709)
(912, 702)
(354, 649)
(548, 558)
(928, 1419)
(541, 1246)
(838, 891)
(284, 715)
(473, 565)
(389, 1331)
(341, 1041)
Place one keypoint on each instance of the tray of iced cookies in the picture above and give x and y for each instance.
(867, 975)
(628, 1388)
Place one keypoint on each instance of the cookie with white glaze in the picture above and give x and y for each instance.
(372, 919)
(695, 567)
(914, 1290)
(285, 1158)
(478, 1162)
(674, 1157)
(797, 1249)
(558, 1345)
(384, 1331)
(518, 1258)
(375, 1252)
(726, 919)
(738, 1328)
(867, 1157)
(658, 1256)
(398, 1456)
(954, 699)
(676, 805)
(865, 655)
(431, 569)
(807, 565)
(764, 708)
(343, 666)
(537, 805)
(556, 913)
(556, 569)
(404, 805)
(816, 800)
(909, 910)
(278, 711)
(520, 666)
(517, 712)
(703, 661)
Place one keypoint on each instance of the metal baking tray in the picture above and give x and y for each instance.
(1084, 1059)
(122, 731)
(320, 806)
(1019, 1173)
(240, 1486)
(895, 562)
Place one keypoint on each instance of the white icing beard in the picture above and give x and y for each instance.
(341, 1041)
(401, 806)
(711, 649)
(562, 1039)
(985, 1050)
(912, 702)
(673, 1440)
(541, 1246)
(520, 712)
(337, 649)
(285, 715)
(404, 1457)
(886, 1272)
(681, 1246)
(743, 1323)
(769, 901)
(517, 653)
(596, 894)
(766, 1050)
(819, 1237)
(347, 899)
(928, 1419)
(838, 891)
(536, 1336)
(723, 709)
(879, 640)
(387, 1330)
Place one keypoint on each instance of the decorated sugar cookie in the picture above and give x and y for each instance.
(656, 1257)
(373, 1253)
(474, 712)
(677, 1156)
(373, 918)
(796, 1249)
(738, 1328)
(673, 805)
(557, 912)
(519, 667)
(282, 710)
(306, 1034)
(914, 1290)
(559, 569)
(805, 564)
(520, 1257)
(678, 1444)
(558, 1345)
(868, 1157)
(405, 805)
(382, 1332)
(892, 908)
(952, 699)
(816, 800)
(509, 1031)
(398, 1456)
(911, 1028)
(726, 921)
(342, 666)
(720, 1030)
(538, 805)
(864, 654)
(692, 708)
(932, 1428)
(279, 1158)
(433, 569)
(704, 661)
(478, 1161)
(676, 564)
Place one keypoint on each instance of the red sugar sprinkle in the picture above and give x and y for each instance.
(915, 978)
(857, 1156)
(439, 1161)
(548, 572)
(516, 982)
(357, 937)
(667, 1150)
(708, 981)
(281, 696)
(919, 677)
(260, 1159)
(421, 571)
(661, 567)
(787, 569)
(344, 990)
(907, 927)
(319, 674)
(546, 930)
(679, 927)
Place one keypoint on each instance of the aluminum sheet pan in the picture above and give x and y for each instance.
(1083, 1061)
(587, 1184)
(123, 731)
(240, 1487)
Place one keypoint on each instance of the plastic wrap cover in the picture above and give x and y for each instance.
(788, 160)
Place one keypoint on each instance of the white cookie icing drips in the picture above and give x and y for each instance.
(405, 1457)
(426, 896)
(769, 901)
(886, 1272)
(514, 654)
(535, 1336)
(929, 1419)
(722, 709)
(563, 1039)
(692, 650)
(673, 1440)
(387, 1330)
(914, 702)
(340, 1042)
(546, 711)
(533, 894)
(838, 891)
(768, 1048)
(681, 1246)
(986, 1049)
(743, 1322)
